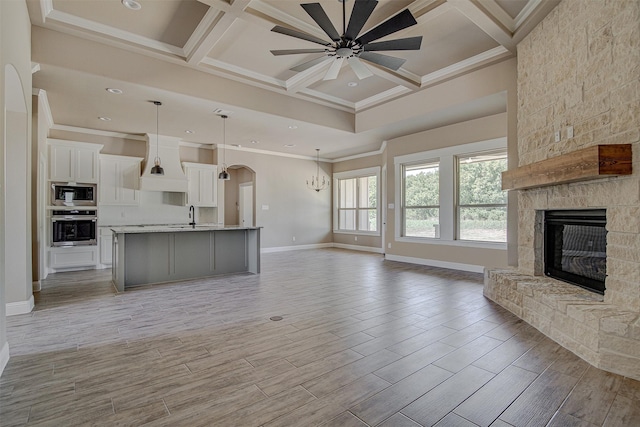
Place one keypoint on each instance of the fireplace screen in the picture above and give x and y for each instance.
(575, 247)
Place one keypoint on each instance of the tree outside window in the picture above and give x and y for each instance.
(421, 198)
(482, 204)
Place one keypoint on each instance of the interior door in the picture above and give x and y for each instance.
(246, 204)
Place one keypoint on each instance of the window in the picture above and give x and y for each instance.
(452, 195)
(421, 200)
(482, 204)
(356, 201)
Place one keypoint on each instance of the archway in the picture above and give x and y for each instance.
(239, 196)
(15, 208)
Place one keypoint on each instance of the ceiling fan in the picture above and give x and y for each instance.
(349, 45)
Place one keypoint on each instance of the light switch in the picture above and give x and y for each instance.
(569, 132)
(265, 207)
(391, 206)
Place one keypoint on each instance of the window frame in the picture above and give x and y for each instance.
(358, 173)
(448, 192)
(459, 205)
(404, 191)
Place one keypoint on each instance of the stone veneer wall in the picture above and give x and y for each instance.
(580, 67)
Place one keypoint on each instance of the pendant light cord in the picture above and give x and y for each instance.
(157, 131)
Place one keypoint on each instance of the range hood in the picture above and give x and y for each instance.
(168, 149)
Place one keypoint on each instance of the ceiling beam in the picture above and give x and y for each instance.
(308, 77)
(480, 18)
(211, 29)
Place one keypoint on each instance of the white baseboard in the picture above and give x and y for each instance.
(36, 285)
(435, 263)
(20, 307)
(358, 248)
(4, 356)
(296, 248)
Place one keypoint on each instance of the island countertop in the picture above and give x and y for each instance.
(173, 228)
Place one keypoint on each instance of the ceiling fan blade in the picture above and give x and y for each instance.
(396, 23)
(410, 43)
(299, 35)
(362, 10)
(360, 70)
(386, 61)
(306, 65)
(334, 69)
(296, 51)
(318, 14)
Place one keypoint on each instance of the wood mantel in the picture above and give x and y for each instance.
(599, 161)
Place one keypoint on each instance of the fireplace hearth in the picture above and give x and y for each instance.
(575, 247)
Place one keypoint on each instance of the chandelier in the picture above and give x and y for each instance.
(316, 184)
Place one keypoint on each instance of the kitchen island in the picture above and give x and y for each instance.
(165, 253)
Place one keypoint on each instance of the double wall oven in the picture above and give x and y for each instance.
(73, 227)
(73, 214)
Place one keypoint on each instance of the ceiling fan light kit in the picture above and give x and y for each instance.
(349, 45)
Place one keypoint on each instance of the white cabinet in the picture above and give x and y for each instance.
(71, 161)
(119, 180)
(73, 257)
(105, 241)
(202, 184)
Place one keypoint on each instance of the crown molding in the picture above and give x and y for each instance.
(97, 132)
(121, 35)
(380, 150)
(497, 53)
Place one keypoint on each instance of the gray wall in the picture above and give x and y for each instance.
(293, 209)
(15, 51)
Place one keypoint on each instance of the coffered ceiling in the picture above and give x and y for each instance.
(233, 39)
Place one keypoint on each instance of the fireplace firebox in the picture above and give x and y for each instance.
(575, 247)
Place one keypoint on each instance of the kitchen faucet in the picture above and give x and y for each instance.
(192, 216)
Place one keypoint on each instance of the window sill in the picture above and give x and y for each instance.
(458, 243)
(357, 233)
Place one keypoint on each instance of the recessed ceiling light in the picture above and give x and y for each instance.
(189, 131)
(289, 145)
(131, 4)
(105, 119)
(293, 127)
(237, 145)
(114, 91)
(253, 141)
(352, 84)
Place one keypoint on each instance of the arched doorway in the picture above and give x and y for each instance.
(239, 197)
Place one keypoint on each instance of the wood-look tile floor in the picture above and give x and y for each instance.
(363, 342)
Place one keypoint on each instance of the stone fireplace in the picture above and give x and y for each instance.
(602, 329)
(578, 75)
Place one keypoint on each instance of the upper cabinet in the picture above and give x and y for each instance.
(73, 161)
(202, 184)
(119, 180)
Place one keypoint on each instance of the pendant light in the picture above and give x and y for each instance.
(224, 175)
(157, 169)
(315, 180)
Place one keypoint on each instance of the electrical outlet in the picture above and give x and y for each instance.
(569, 132)
(293, 239)
(557, 136)
(356, 238)
(389, 245)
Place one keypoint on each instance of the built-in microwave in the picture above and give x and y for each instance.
(64, 194)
